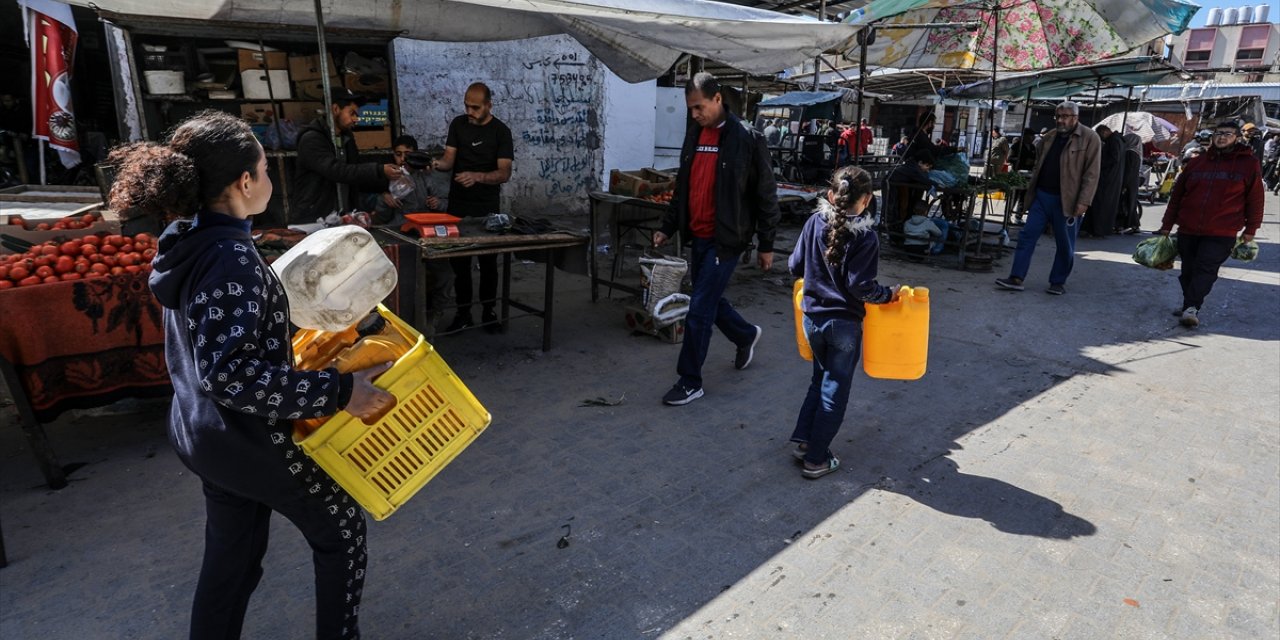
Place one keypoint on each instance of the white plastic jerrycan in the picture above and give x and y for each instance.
(334, 277)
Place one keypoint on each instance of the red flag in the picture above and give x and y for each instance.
(53, 53)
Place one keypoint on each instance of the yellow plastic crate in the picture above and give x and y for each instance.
(435, 418)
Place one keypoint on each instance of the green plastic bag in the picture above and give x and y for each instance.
(1244, 251)
(1156, 252)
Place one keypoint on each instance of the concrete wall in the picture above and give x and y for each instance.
(570, 117)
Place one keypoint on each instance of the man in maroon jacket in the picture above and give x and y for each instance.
(1216, 195)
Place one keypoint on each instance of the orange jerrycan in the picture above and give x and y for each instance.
(895, 336)
(802, 339)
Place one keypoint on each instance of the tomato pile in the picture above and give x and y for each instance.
(82, 222)
(87, 257)
(661, 198)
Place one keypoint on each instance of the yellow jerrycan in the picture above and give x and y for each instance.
(802, 339)
(895, 336)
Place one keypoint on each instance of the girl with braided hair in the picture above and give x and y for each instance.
(837, 255)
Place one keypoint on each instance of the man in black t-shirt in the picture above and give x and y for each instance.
(479, 152)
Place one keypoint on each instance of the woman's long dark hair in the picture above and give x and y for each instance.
(204, 154)
(849, 184)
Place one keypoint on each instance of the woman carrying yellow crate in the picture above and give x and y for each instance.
(235, 391)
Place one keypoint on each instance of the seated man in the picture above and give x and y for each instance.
(905, 186)
(390, 210)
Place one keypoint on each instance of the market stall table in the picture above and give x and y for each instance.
(507, 246)
(76, 345)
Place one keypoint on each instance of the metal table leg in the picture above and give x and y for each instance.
(548, 302)
(506, 289)
(54, 476)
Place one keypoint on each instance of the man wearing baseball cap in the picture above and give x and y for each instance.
(1218, 193)
(1253, 138)
(320, 167)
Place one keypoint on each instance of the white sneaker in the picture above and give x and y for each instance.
(1190, 317)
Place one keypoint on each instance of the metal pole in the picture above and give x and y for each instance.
(43, 178)
(864, 36)
(324, 82)
(1124, 123)
(817, 62)
(995, 53)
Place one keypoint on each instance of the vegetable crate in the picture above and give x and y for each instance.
(384, 464)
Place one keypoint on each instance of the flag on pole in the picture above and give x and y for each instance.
(51, 35)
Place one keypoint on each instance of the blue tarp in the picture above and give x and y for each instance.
(801, 99)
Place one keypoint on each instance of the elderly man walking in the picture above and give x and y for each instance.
(1063, 183)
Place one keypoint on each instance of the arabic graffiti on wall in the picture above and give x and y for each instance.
(547, 90)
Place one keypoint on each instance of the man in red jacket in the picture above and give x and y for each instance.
(1216, 195)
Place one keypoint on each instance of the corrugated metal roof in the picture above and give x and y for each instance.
(1268, 91)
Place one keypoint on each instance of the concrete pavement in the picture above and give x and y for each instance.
(1070, 467)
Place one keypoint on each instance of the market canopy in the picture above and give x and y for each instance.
(1069, 81)
(637, 39)
(1019, 35)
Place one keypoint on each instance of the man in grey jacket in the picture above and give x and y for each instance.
(1063, 183)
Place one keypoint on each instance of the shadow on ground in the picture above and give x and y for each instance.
(665, 507)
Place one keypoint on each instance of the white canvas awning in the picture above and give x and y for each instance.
(637, 39)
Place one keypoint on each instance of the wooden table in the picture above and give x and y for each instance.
(506, 246)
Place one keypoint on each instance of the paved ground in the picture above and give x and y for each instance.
(1073, 467)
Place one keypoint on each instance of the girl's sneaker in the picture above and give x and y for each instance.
(833, 463)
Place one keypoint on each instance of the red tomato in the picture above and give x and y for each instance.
(6, 284)
(127, 259)
(64, 264)
(52, 279)
(70, 248)
(149, 254)
(93, 240)
(88, 218)
(100, 268)
(144, 237)
(45, 271)
(133, 268)
(71, 276)
(126, 247)
(111, 261)
(88, 250)
(43, 226)
(115, 271)
(4, 272)
(82, 266)
(18, 273)
(28, 281)
(109, 249)
(117, 240)
(50, 249)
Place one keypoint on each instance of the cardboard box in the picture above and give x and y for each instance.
(373, 138)
(374, 114)
(366, 84)
(258, 112)
(109, 224)
(301, 112)
(308, 68)
(313, 89)
(250, 59)
(254, 84)
(640, 183)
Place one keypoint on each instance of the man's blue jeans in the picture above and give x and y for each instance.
(1046, 208)
(708, 308)
(836, 345)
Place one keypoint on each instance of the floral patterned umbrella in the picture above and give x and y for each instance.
(1022, 35)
